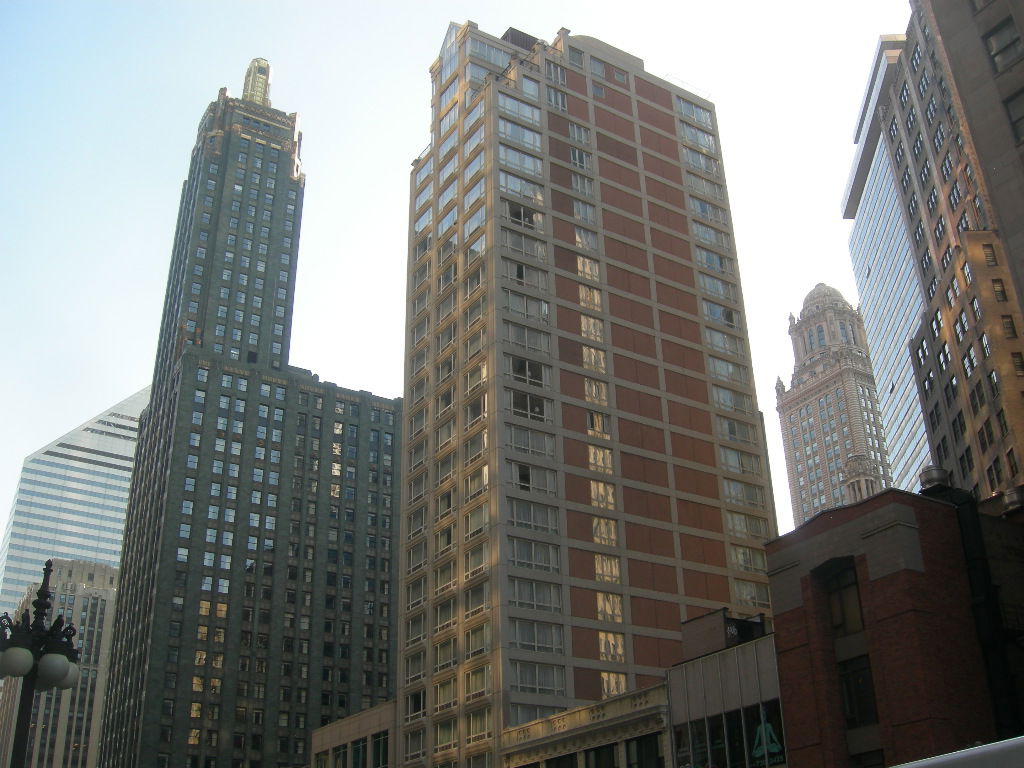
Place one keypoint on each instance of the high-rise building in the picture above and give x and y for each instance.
(65, 728)
(892, 299)
(831, 421)
(71, 499)
(585, 457)
(256, 575)
(947, 103)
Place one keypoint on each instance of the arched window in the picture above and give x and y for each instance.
(821, 336)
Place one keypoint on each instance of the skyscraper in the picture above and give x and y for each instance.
(892, 299)
(831, 422)
(256, 575)
(71, 499)
(947, 104)
(66, 725)
(585, 454)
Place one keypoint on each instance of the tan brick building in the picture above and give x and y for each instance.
(585, 465)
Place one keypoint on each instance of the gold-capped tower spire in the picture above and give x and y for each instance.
(257, 82)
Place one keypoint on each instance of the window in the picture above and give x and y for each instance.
(533, 595)
(609, 607)
(555, 72)
(520, 160)
(584, 211)
(515, 132)
(590, 297)
(526, 336)
(612, 684)
(598, 424)
(694, 112)
(522, 216)
(611, 646)
(520, 109)
(591, 328)
(1009, 327)
(528, 371)
(478, 681)
(706, 141)
(599, 459)
(529, 406)
(595, 391)
(579, 133)
(539, 555)
(752, 593)
(747, 526)
(558, 99)
(1003, 45)
(526, 440)
(858, 692)
(539, 636)
(709, 211)
(606, 568)
(720, 314)
(526, 477)
(532, 677)
(582, 184)
(594, 359)
(605, 531)
(701, 162)
(580, 158)
(478, 727)
(844, 602)
(528, 514)
(520, 186)
(1015, 111)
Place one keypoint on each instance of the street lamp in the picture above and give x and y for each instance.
(44, 658)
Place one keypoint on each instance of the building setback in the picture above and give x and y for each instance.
(71, 499)
(256, 574)
(585, 465)
(66, 725)
(948, 101)
(831, 422)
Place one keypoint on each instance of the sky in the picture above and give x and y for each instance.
(102, 102)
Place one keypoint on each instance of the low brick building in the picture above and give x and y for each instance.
(888, 631)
